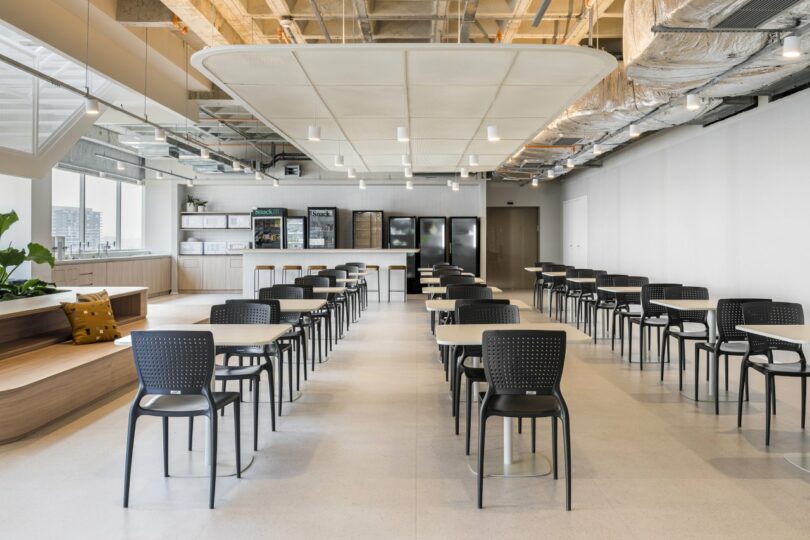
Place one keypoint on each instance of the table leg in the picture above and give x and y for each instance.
(712, 324)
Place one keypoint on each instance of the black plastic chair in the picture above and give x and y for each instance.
(772, 313)
(175, 370)
(476, 312)
(298, 322)
(676, 327)
(472, 290)
(626, 308)
(730, 341)
(652, 316)
(361, 267)
(308, 283)
(523, 370)
(600, 300)
(352, 291)
(339, 302)
(538, 284)
(445, 280)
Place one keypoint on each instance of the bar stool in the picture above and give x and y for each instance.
(257, 276)
(291, 268)
(374, 269)
(315, 268)
(398, 268)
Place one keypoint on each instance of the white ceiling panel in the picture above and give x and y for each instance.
(446, 94)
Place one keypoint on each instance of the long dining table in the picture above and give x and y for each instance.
(459, 335)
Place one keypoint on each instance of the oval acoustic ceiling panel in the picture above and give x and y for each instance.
(444, 96)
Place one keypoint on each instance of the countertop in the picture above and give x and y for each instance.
(64, 262)
(48, 302)
(317, 250)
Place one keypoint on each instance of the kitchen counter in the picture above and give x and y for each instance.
(113, 259)
(318, 250)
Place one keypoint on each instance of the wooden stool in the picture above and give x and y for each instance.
(315, 268)
(375, 268)
(398, 268)
(257, 276)
(291, 268)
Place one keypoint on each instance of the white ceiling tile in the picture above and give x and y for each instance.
(372, 128)
(281, 102)
(387, 161)
(504, 147)
(318, 147)
(444, 128)
(369, 67)
(534, 101)
(513, 128)
(563, 68)
(364, 101)
(380, 147)
(451, 101)
(296, 128)
(439, 160)
(444, 67)
(256, 67)
(439, 146)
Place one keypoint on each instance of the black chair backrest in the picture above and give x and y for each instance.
(540, 264)
(440, 265)
(314, 281)
(585, 272)
(486, 301)
(678, 317)
(488, 313)
(455, 292)
(171, 362)
(446, 272)
(349, 268)
(607, 280)
(626, 299)
(240, 313)
(333, 273)
(274, 305)
(729, 315)
(282, 292)
(524, 362)
(654, 291)
(360, 265)
(571, 272)
(445, 280)
(771, 313)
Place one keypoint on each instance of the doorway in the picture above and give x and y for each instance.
(575, 232)
(512, 245)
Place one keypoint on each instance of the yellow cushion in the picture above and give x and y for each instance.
(91, 322)
(93, 297)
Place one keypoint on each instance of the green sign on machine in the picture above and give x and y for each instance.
(269, 211)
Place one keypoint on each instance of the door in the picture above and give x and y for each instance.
(512, 245)
(575, 232)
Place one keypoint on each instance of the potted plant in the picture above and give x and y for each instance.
(10, 260)
(200, 205)
(191, 203)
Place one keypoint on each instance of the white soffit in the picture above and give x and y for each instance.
(446, 94)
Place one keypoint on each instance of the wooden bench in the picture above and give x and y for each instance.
(53, 379)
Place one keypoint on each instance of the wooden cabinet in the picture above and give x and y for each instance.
(120, 273)
(215, 273)
(209, 273)
(154, 273)
(190, 273)
(80, 275)
(234, 273)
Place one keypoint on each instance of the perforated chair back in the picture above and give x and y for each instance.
(349, 268)
(334, 273)
(445, 280)
(584, 273)
(240, 313)
(172, 362)
(486, 301)
(455, 292)
(446, 272)
(360, 265)
(441, 265)
(608, 280)
(729, 315)
(771, 313)
(274, 305)
(524, 362)
(282, 292)
(678, 317)
(487, 313)
(654, 291)
(312, 282)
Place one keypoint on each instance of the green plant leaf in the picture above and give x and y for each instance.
(7, 220)
(39, 254)
(11, 257)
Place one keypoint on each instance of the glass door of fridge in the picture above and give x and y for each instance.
(464, 248)
(432, 241)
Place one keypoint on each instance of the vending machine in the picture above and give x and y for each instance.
(268, 228)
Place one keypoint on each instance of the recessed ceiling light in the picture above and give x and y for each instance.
(409, 184)
(634, 131)
(314, 133)
(408, 172)
(205, 153)
(91, 107)
(692, 102)
(492, 134)
(473, 160)
(160, 134)
(598, 150)
(570, 163)
(406, 160)
(119, 165)
(351, 172)
(464, 173)
(402, 134)
(791, 47)
(339, 161)
(361, 184)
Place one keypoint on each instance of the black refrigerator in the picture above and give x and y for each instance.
(432, 241)
(323, 228)
(464, 243)
(296, 237)
(402, 235)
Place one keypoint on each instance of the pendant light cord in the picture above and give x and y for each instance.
(87, 52)
(145, 68)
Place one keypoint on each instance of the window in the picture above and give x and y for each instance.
(96, 213)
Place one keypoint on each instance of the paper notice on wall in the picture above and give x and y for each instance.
(316, 242)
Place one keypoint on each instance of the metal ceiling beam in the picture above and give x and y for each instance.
(580, 28)
(205, 20)
(541, 12)
(438, 25)
(362, 18)
(321, 23)
(282, 10)
(467, 20)
(513, 25)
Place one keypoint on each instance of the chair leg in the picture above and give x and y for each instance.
(133, 418)
(482, 431)
(468, 420)
(534, 435)
(629, 341)
(237, 431)
(190, 432)
(520, 426)
(166, 446)
(743, 375)
(804, 399)
(270, 384)
(212, 418)
(255, 415)
(554, 447)
(567, 448)
(716, 361)
(768, 391)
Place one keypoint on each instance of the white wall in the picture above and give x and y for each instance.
(547, 197)
(723, 206)
(16, 195)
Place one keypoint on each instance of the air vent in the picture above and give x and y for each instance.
(567, 141)
(755, 12)
(292, 170)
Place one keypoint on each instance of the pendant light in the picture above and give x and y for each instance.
(204, 153)
(314, 133)
(351, 172)
(119, 166)
(570, 163)
(402, 134)
(409, 184)
(492, 134)
(634, 131)
(91, 107)
(692, 102)
(158, 175)
(473, 160)
(139, 182)
(258, 175)
(406, 160)
(160, 134)
(339, 161)
(598, 150)
(550, 174)
(275, 182)
(535, 182)
(361, 184)
(455, 186)
(791, 48)
(449, 182)
(190, 183)
(408, 172)
(236, 166)
(464, 173)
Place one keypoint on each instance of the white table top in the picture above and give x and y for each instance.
(554, 274)
(619, 290)
(582, 280)
(334, 290)
(346, 280)
(688, 305)
(533, 269)
(228, 335)
(792, 333)
(301, 306)
(472, 334)
(442, 290)
(450, 305)
(436, 281)
(358, 274)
